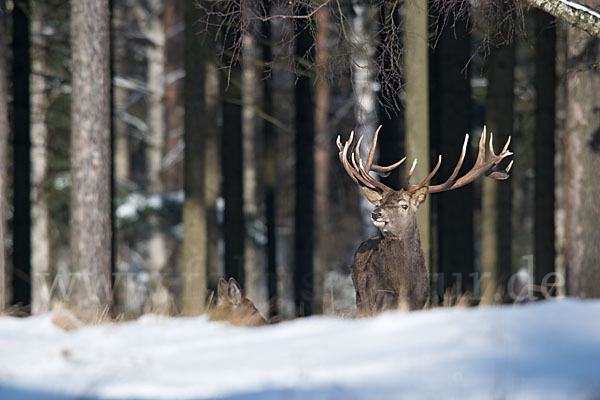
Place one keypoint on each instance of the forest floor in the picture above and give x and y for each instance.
(546, 350)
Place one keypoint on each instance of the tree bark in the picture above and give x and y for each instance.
(392, 135)
(576, 14)
(194, 210)
(545, 99)
(21, 279)
(4, 131)
(305, 175)
(90, 216)
(212, 167)
(324, 140)
(583, 164)
(253, 254)
(40, 246)
(497, 195)
(416, 67)
(234, 229)
(270, 143)
(451, 94)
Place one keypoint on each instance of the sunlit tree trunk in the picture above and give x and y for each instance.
(90, 208)
(194, 211)
(583, 163)
(252, 155)
(324, 140)
(155, 146)
(4, 129)
(417, 102)
(21, 279)
(212, 168)
(40, 244)
(497, 195)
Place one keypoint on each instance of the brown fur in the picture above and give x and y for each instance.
(233, 307)
(388, 270)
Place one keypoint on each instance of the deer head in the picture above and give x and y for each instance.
(233, 307)
(395, 210)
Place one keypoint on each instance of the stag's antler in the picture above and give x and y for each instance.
(360, 173)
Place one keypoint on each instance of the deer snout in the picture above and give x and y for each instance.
(377, 214)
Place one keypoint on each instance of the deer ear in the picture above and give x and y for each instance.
(222, 291)
(419, 196)
(235, 292)
(373, 196)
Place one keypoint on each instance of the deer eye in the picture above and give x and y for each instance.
(404, 206)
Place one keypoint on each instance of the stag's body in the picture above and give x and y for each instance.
(388, 270)
(389, 273)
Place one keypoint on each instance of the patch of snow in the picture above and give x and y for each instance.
(548, 350)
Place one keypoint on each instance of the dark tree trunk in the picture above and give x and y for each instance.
(270, 180)
(232, 163)
(583, 163)
(194, 210)
(545, 86)
(305, 175)
(451, 98)
(21, 281)
(4, 129)
(392, 134)
(497, 195)
(90, 216)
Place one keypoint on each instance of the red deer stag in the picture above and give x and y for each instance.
(233, 307)
(388, 270)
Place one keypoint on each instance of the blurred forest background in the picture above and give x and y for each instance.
(155, 146)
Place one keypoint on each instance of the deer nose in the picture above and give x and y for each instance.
(376, 214)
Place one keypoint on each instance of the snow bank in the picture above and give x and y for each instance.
(548, 350)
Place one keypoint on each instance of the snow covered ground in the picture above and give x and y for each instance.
(547, 350)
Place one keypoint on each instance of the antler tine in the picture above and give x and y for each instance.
(385, 171)
(491, 149)
(364, 172)
(343, 154)
(372, 151)
(407, 184)
(428, 177)
(482, 166)
(481, 152)
(459, 164)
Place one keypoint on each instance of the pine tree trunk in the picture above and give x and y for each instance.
(417, 102)
(324, 140)
(497, 195)
(253, 254)
(155, 145)
(545, 87)
(583, 164)
(451, 95)
(392, 135)
(4, 129)
(90, 216)
(194, 211)
(40, 245)
(212, 167)
(232, 164)
(305, 176)
(270, 143)
(21, 279)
